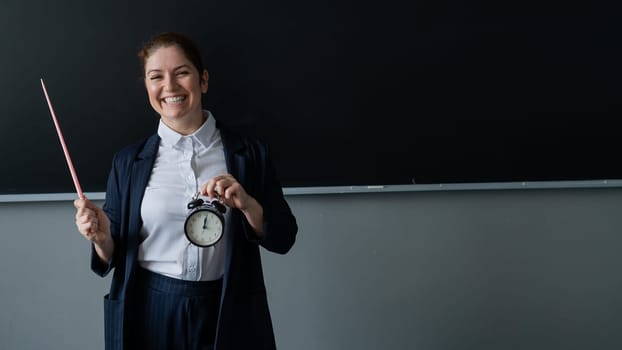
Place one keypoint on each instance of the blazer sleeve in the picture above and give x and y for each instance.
(279, 224)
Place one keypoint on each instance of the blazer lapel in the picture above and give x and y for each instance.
(141, 171)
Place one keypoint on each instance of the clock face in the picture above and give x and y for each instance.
(204, 228)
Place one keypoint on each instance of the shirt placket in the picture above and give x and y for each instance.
(190, 270)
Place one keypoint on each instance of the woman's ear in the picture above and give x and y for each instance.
(204, 79)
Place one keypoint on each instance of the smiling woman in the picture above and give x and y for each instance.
(186, 295)
(175, 83)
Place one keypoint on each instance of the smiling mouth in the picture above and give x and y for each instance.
(174, 99)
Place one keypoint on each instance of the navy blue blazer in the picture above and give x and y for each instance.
(244, 319)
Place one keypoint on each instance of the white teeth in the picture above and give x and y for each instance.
(175, 99)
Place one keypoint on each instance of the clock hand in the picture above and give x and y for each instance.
(205, 222)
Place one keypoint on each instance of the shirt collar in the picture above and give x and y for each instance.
(203, 135)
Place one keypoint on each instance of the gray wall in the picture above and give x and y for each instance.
(515, 269)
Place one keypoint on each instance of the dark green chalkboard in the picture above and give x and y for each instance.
(344, 92)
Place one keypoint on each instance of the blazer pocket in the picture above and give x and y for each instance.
(113, 323)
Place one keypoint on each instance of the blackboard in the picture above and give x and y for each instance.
(344, 92)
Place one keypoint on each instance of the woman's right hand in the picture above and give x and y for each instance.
(94, 225)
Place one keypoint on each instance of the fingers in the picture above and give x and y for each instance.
(84, 203)
(87, 219)
(226, 188)
(92, 222)
(85, 213)
(217, 186)
(79, 203)
(87, 223)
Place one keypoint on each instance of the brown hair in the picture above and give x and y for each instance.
(166, 39)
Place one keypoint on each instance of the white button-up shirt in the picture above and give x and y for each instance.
(182, 165)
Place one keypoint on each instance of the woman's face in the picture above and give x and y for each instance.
(175, 87)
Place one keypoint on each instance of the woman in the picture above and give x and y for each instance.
(167, 293)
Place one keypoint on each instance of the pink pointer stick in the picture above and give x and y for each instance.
(62, 142)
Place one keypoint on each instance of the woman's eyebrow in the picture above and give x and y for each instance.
(182, 66)
(155, 70)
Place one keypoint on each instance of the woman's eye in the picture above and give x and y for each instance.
(155, 77)
(183, 72)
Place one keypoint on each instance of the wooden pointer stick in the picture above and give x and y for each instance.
(62, 142)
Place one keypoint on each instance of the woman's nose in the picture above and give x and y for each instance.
(170, 83)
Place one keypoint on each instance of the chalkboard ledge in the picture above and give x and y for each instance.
(295, 191)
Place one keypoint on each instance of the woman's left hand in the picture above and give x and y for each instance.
(228, 190)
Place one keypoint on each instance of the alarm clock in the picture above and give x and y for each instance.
(205, 224)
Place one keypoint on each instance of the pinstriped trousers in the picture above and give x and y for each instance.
(173, 314)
